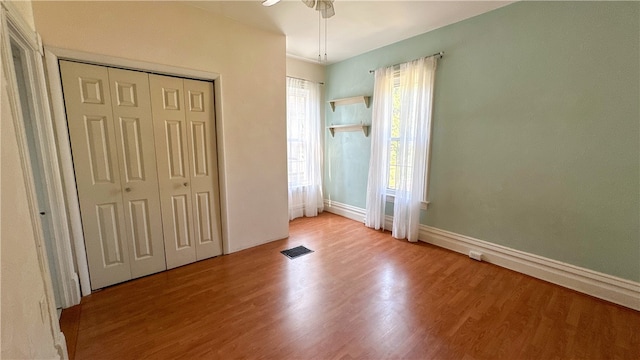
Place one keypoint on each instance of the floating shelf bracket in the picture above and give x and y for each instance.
(351, 127)
(350, 100)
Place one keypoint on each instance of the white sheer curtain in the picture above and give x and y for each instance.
(304, 150)
(400, 149)
(378, 163)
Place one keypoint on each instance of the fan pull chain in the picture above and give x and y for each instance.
(325, 40)
(319, 38)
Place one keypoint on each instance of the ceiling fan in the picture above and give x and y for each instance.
(325, 7)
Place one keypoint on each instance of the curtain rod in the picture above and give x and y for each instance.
(440, 54)
(297, 78)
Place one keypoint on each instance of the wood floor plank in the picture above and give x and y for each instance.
(360, 295)
(69, 322)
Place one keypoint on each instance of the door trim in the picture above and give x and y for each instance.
(13, 26)
(29, 41)
(52, 55)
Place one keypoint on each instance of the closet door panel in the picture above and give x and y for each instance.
(200, 116)
(180, 220)
(131, 107)
(171, 141)
(94, 151)
(203, 220)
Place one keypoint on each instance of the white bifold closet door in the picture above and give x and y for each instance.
(144, 153)
(111, 132)
(187, 169)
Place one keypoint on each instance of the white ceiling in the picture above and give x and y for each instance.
(358, 26)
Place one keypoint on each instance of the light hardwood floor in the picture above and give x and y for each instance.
(361, 294)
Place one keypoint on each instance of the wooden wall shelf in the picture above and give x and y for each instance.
(350, 100)
(351, 127)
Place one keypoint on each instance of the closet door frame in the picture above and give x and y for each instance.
(52, 56)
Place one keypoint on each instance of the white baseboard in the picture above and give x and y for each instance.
(616, 290)
(348, 211)
(620, 291)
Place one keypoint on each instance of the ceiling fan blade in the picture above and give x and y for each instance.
(309, 3)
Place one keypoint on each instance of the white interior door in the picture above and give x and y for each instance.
(200, 118)
(131, 105)
(173, 160)
(93, 142)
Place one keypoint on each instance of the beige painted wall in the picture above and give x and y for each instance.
(251, 64)
(305, 70)
(23, 7)
(26, 310)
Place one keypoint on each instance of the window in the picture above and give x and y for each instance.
(304, 152)
(394, 136)
(400, 138)
(297, 129)
(400, 162)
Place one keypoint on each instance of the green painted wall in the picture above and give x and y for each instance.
(536, 142)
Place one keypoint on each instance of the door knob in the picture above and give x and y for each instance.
(185, 184)
(127, 189)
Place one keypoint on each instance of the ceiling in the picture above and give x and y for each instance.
(358, 26)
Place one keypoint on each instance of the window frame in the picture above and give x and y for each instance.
(391, 192)
(301, 93)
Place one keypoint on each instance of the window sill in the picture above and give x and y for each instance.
(423, 204)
